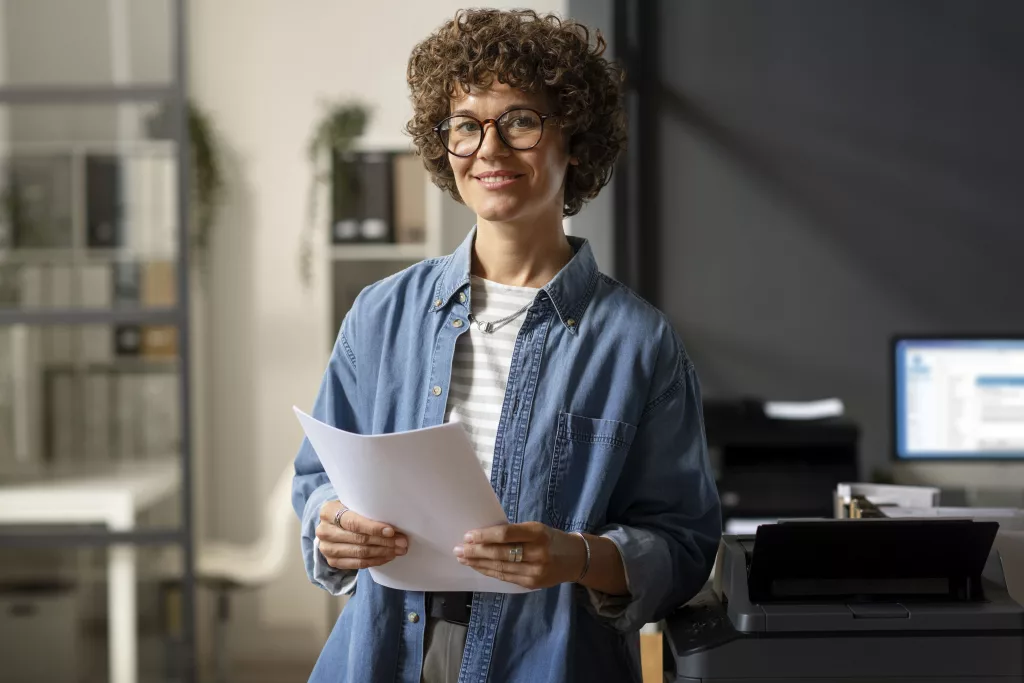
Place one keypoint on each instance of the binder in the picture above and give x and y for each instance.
(410, 195)
(362, 198)
(103, 214)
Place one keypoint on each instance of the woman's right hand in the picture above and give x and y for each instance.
(358, 542)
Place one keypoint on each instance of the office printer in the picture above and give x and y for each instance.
(852, 601)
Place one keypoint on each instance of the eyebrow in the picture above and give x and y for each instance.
(470, 112)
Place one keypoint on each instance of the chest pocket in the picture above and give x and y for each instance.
(588, 457)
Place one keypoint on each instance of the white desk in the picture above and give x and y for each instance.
(113, 500)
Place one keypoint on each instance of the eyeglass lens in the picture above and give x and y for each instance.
(519, 128)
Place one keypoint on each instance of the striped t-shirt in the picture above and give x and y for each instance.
(482, 361)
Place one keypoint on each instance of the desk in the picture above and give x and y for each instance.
(112, 499)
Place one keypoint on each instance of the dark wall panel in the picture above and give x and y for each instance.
(832, 173)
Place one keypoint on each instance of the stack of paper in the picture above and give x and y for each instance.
(428, 484)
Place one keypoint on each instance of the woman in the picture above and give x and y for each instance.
(579, 398)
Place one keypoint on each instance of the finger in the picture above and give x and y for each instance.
(359, 552)
(507, 533)
(532, 552)
(501, 575)
(333, 534)
(355, 563)
(507, 568)
(356, 523)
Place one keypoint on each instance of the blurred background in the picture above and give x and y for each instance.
(825, 198)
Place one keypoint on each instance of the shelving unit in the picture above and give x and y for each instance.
(355, 265)
(378, 252)
(99, 492)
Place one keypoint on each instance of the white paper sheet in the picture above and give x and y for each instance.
(428, 484)
(804, 410)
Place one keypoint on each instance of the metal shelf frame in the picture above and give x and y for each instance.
(99, 94)
(100, 316)
(175, 94)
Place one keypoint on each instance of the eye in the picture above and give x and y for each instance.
(467, 127)
(523, 121)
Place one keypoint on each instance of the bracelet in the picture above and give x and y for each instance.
(586, 565)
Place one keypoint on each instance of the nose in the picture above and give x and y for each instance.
(492, 147)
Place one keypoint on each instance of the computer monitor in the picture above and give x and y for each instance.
(958, 398)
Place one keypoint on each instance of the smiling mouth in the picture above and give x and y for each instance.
(499, 180)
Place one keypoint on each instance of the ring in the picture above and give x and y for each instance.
(516, 553)
(337, 515)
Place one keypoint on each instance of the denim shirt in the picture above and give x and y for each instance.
(601, 431)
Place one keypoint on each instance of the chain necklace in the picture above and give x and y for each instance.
(491, 327)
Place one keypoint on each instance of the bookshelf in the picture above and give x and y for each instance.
(439, 224)
(94, 311)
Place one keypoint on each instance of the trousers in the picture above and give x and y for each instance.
(443, 644)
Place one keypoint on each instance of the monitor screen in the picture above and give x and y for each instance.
(959, 398)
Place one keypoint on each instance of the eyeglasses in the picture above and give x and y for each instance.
(519, 129)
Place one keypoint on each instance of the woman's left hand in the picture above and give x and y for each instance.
(549, 556)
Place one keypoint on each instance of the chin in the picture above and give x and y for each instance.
(498, 212)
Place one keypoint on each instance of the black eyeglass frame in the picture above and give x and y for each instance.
(497, 128)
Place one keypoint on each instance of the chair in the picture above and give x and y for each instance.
(226, 567)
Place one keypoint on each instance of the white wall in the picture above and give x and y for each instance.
(260, 67)
(596, 222)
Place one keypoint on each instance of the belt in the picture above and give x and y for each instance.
(452, 607)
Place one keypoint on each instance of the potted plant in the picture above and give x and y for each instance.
(206, 172)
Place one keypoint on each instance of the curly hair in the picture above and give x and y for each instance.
(535, 54)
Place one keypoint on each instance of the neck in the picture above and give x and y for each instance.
(521, 256)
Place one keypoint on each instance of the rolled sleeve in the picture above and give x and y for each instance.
(622, 611)
(335, 405)
(665, 515)
(334, 581)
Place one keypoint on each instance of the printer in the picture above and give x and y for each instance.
(852, 600)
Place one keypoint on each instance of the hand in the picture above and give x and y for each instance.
(358, 542)
(550, 557)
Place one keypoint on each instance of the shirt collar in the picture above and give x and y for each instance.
(570, 290)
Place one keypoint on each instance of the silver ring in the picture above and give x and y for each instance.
(512, 554)
(517, 552)
(337, 515)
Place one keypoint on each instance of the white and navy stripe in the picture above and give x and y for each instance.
(481, 364)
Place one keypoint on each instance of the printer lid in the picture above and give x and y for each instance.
(868, 574)
(870, 560)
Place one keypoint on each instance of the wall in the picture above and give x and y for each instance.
(596, 221)
(831, 175)
(260, 68)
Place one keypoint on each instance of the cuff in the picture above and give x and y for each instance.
(611, 606)
(645, 560)
(335, 581)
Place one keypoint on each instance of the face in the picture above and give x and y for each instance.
(501, 184)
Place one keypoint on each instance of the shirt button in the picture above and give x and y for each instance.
(436, 390)
(437, 303)
(462, 297)
(571, 322)
(457, 323)
(413, 617)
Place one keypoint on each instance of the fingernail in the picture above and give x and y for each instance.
(468, 538)
(463, 560)
(401, 551)
(388, 532)
(402, 542)
(459, 552)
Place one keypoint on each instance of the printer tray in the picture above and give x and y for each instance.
(700, 644)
